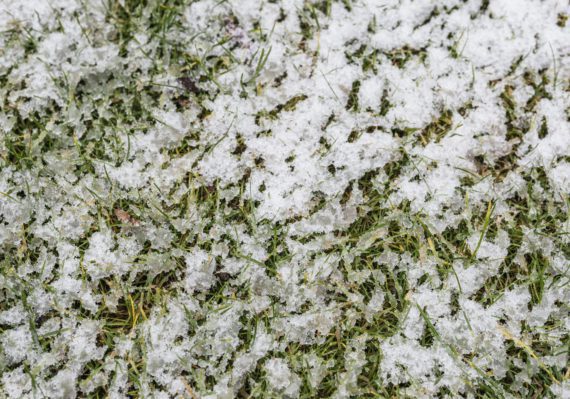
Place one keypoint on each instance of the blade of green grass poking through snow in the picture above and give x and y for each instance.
(490, 208)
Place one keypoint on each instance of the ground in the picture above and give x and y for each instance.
(284, 199)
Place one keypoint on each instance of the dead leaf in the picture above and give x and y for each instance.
(125, 217)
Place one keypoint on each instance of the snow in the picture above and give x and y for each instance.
(284, 199)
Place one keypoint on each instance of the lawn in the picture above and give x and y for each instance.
(284, 199)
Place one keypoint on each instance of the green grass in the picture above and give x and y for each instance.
(116, 117)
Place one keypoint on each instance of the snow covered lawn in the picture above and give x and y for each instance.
(284, 199)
